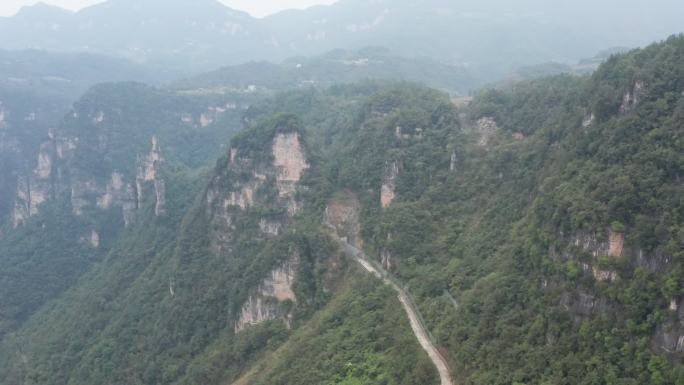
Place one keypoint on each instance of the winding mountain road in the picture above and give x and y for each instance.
(418, 328)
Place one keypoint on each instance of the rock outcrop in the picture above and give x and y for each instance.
(389, 183)
(270, 226)
(290, 161)
(119, 192)
(587, 249)
(265, 184)
(631, 99)
(267, 303)
(37, 187)
(22, 202)
(669, 336)
(95, 239)
(160, 197)
(453, 160)
(55, 175)
(207, 117)
(343, 214)
(386, 259)
(612, 245)
(582, 304)
(148, 179)
(616, 244)
(486, 127)
(604, 275)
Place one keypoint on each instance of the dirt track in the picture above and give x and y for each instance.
(418, 329)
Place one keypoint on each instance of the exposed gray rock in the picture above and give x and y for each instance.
(343, 214)
(270, 226)
(631, 99)
(160, 194)
(148, 180)
(453, 160)
(275, 289)
(37, 187)
(95, 239)
(389, 183)
(290, 161)
(486, 127)
(284, 173)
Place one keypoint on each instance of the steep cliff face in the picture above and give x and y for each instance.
(260, 186)
(669, 337)
(23, 135)
(290, 162)
(22, 202)
(602, 257)
(343, 214)
(75, 161)
(271, 182)
(389, 183)
(589, 248)
(97, 156)
(271, 299)
(119, 191)
(631, 99)
(39, 185)
(148, 179)
(486, 127)
(57, 175)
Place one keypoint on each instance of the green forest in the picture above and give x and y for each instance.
(539, 229)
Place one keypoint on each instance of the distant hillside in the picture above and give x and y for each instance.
(67, 75)
(491, 36)
(37, 89)
(333, 68)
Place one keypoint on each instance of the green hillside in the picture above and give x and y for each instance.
(539, 229)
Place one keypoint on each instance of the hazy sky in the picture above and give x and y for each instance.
(258, 8)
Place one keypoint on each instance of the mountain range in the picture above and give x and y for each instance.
(190, 195)
(535, 233)
(200, 35)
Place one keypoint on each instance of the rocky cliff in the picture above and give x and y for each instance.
(39, 185)
(273, 298)
(389, 183)
(268, 182)
(263, 184)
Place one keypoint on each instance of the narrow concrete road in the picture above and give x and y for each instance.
(418, 329)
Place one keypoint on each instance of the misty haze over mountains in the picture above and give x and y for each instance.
(494, 37)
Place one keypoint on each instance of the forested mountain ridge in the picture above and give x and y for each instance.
(194, 35)
(106, 161)
(36, 90)
(232, 266)
(335, 67)
(538, 229)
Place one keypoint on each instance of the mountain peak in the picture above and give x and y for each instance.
(41, 9)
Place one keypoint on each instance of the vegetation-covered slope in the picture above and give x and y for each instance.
(544, 238)
(539, 230)
(558, 229)
(110, 157)
(36, 90)
(247, 266)
(336, 67)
